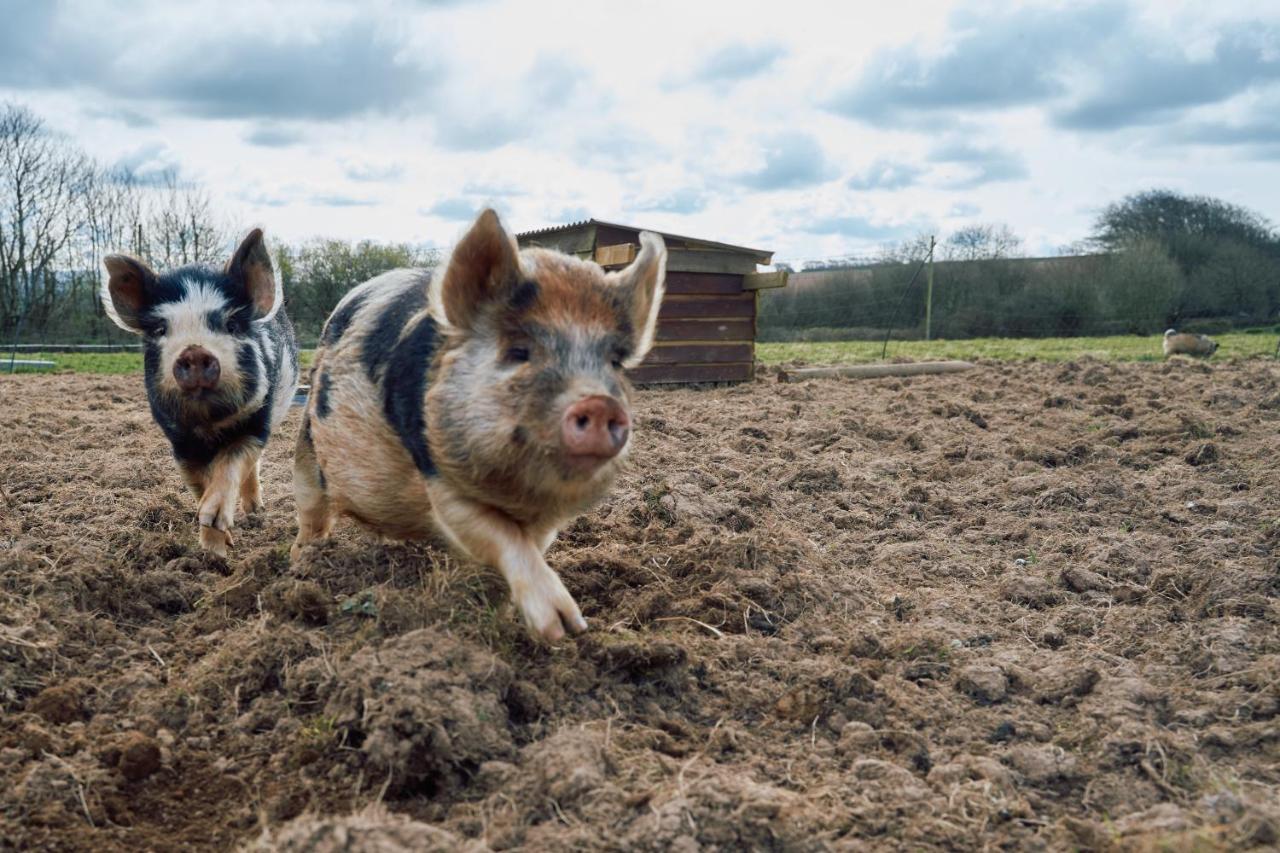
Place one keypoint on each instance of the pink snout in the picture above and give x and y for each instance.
(196, 369)
(595, 429)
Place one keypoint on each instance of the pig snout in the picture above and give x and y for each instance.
(594, 430)
(196, 368)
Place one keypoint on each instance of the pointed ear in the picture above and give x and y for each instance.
(251, 265)
(484, 267)
(127, 291)
(645, 279)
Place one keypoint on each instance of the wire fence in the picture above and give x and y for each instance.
(1069, 296)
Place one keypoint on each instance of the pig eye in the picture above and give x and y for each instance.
(234, 326)
(516, 355)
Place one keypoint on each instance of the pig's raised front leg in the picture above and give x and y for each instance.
(218, 504)
(493, 538)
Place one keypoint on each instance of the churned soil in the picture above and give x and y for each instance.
(1031, 606)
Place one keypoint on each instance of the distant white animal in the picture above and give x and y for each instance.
(1176, 342)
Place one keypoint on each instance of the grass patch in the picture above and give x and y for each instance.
(99, 363)
(1113, 348)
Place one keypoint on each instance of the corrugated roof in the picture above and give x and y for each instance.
(570, 226)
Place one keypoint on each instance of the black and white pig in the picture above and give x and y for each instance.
(221, 367)
(485, 401)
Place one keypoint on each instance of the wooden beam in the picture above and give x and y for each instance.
(692, 260)
(652, 374)
(765, 280)
(681, 353)
(702, 284)
(722, 307)
(618, 255)
(874, 371)
(706, 330)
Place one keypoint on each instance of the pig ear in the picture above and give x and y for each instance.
(645, 279)
(484, 267)
(127, 291)
(251, 265)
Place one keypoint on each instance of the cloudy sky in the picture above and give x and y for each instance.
(813, 129)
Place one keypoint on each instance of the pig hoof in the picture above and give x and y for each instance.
(215, 540)
(550, 617)
(252, 506)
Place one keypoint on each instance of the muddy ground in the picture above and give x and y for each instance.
(1031, 606)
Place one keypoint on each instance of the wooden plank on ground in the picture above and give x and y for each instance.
(706, 330)
(668, 373)
(694, 260)
(874, 371)
(764, 280)
(699, 353)
(726, 305)
(702, 283)
(617, 255)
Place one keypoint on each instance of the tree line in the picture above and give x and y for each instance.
(61, 212)
(1155, 260)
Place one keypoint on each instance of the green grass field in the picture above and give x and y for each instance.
(1116, 348)
(113, 363)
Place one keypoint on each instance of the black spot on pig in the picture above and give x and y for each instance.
(526, 293)
(341, 319)
(322, 396)
(405, 389)
(381, 340)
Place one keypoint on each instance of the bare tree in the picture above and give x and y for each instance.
(41, 180)
(982, 242)
(182, 228)
(910, 251)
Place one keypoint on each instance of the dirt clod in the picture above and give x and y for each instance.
(61, 703)
(424, 708)
(139, 757)
(985, 683)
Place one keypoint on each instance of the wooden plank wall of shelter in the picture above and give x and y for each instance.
(707, 323)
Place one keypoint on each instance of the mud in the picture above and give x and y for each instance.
(1031, 606)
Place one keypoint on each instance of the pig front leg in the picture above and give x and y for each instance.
(224, 479)
(492, 538)
(251, 488)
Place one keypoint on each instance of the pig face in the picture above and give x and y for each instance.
(203, 332)
(530, 390)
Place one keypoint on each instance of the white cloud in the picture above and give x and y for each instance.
(815, 128)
